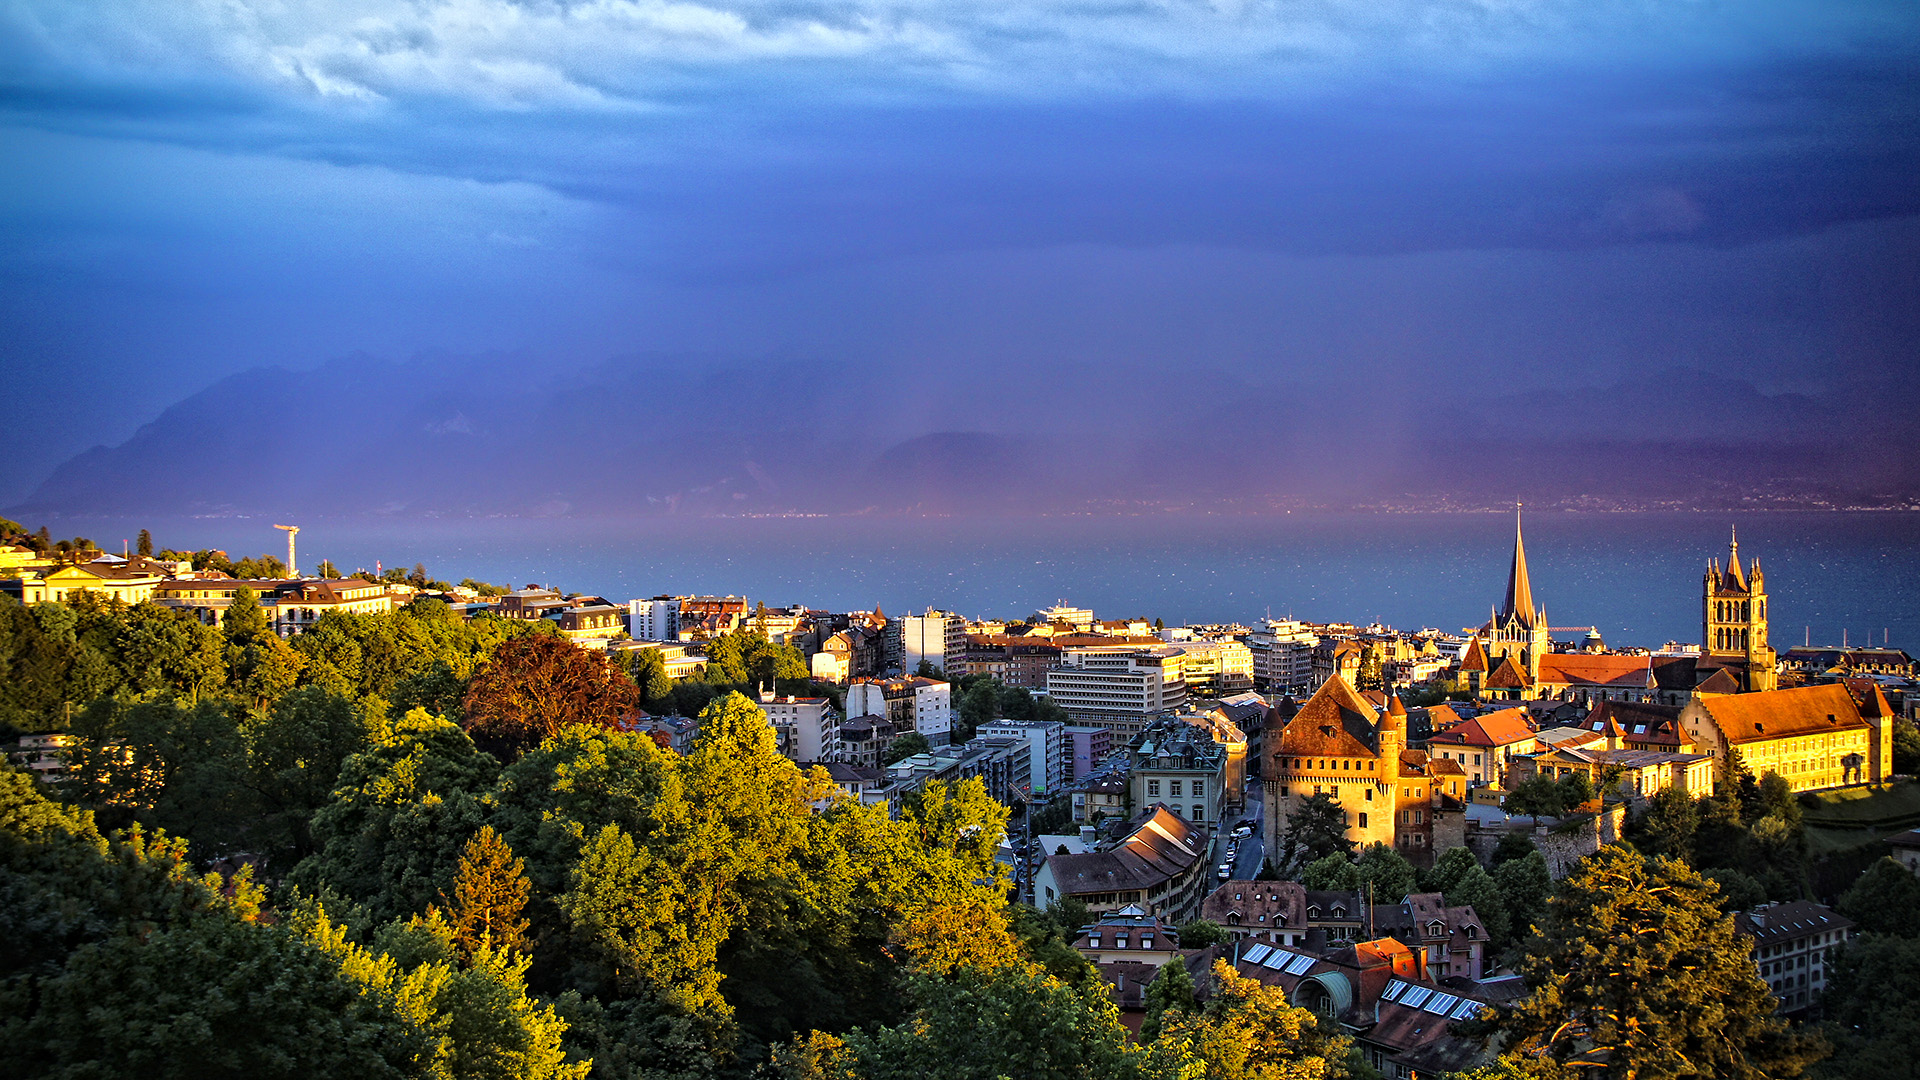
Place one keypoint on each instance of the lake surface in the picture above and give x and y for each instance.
(1635, 576)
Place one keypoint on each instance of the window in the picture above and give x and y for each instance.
(1363, 816)
(1173, 788)
(1199, 789)
(1334, 791)
(1369, 792)
(1153, 788)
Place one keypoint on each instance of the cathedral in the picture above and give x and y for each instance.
(1503, 659)
(1733, 621)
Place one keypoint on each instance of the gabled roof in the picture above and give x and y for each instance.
(1589, 669)
(1161, 847)
(1509, 676)
(1720, 682)
(1335, 721)
(1773, 714)
(1639, 722)
(1475, 658)
(1502, 728)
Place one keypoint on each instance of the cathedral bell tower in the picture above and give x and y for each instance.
(1734, 619)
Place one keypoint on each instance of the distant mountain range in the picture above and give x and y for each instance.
(696, 435)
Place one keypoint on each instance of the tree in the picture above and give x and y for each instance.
(490, 891)
(1525, 887)
(906, 746)
(1670, 823)
(1388, 873)
(327, 570)
(648, 670)
(1512, 845)
(1170, 990)
(1872, 1008)
(1906, 746)
(1201, 933)
(294, 755)
(1638, 968)
(391, 837)
(1331, 873)
(1317, 827)
(1738, 891)
(1247, 1031)
(1576, 790)
(144, 545)
(1537, 797)
(536, 685)
(1885, 900)
(1003, 1022)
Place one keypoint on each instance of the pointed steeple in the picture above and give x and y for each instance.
(1519, 602)
(1735, 579)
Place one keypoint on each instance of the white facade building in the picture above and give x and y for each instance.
(1046, 750)
(932, 638)
(809, 729)
(653, 620)
(1283, 655)
(1118, 687)
(1078, 618)
(924, 704)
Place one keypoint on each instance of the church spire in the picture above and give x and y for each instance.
(1734, 577)
(1519, 603)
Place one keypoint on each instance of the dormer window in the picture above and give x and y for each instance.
(1436, 929)
(1313, 913)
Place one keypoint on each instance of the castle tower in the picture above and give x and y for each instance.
(1518, 629)
(1391, 736)
(1733, 614)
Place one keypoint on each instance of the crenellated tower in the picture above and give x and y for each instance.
(1734, 619)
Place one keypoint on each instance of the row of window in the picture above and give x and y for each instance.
(1173, 788)
(1325, 764)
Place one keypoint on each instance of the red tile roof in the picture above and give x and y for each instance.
(1587, 669)
(1503, 728)
(1805, 710)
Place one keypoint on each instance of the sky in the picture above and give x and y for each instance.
(1377, 204)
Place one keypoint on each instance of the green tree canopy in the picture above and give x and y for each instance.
(1885, 900)
(1316, 828)
(1171, 990)
(1637, 968)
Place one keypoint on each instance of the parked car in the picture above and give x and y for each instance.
(1243, 832)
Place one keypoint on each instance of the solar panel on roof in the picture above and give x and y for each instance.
(1466, 1010)
(1278, 960)
(1394, 990)
(1257, 953)
(1419, 994)
(1440, 1003)
(1299, 965)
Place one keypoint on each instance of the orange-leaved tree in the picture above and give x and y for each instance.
(490, 892)
(536, 684)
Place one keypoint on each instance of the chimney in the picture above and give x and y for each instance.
(1086, 835)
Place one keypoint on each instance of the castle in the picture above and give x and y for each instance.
(1337, 744)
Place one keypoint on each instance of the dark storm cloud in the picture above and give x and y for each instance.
(1377, 206)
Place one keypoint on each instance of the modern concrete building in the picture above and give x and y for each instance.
(1047, 745)
(1117, 687)
(808, 727)
(657, 619)
(1087, 747)
(937, 638)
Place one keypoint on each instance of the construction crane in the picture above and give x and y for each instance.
(1569, 629)
(293, 568)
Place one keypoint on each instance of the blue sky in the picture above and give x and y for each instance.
(1374, 200)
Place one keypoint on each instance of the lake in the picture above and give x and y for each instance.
(1634, 575)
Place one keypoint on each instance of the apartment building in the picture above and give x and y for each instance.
(1117, 687)
(937, 638)
(1794, 943)
(1047, 750)
(808, 727)
(911, 702)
